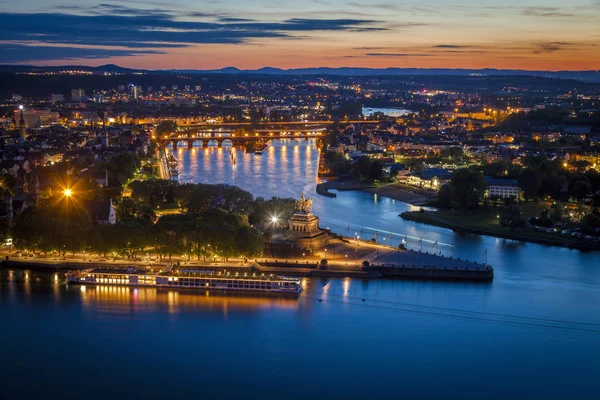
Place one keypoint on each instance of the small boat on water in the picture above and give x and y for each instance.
(261, 149)
(178, 278)
(172, 160)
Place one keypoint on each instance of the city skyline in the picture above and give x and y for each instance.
(540, 35)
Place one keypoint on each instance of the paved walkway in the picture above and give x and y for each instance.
(341, 255)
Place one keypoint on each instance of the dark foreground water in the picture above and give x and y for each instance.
(534, 332)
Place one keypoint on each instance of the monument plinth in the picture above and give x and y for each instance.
(304, 228)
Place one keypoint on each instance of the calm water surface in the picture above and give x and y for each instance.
(392, 112)
(533, 332)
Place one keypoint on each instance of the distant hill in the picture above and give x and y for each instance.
(589, 76)
(112, 68)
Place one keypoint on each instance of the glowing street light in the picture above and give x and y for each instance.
(68, 192)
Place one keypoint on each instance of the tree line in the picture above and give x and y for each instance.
(215, 221)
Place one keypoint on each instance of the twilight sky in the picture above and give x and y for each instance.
(207, 34)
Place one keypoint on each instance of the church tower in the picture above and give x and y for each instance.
(13, 123)
(22, 130)
(104, 140)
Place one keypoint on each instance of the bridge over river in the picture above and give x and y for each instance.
(236, 138)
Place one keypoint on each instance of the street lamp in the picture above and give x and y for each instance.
(68, 192)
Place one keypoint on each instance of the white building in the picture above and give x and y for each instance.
(503, 188)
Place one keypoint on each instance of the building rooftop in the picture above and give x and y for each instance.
(500, 181)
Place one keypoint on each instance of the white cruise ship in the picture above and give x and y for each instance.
(186, 279)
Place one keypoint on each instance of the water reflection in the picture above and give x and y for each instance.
(151, 299)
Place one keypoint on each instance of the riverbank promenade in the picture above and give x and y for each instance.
(342, 257)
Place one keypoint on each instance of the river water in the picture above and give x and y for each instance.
(390, 112)
(533, 332)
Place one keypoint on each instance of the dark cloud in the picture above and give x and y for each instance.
(16, 53)
(460, 51)
(202, 15)
(396, 55)
(450, 46)
(369, 48)
(144, 29)
(405, 25)
(233, 19)
(305, 24)
(542, 48)
(546, 12)
(116, 9)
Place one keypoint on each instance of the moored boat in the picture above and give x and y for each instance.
(186, 279)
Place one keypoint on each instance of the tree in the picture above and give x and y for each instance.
(511, 217)
(558, 211)
(233, 199)
(445, 196)
(593, 178)
(452, 153)
(199, 240)
(496, 169)
(167, 237)
(338, 164)
(57, 225)
(130, 208)
(552, 184)
(202, 198)
(265, 210)
(133, 235)
(120, 168)
(222, 241)
(367, 168)
(5, 228)
(579, 187)
(467, 189)
(103, 240)
(530, 182)
(249, 242)
(591, 221)
(153, 191)
(126, 208)
(31, 229)
(166, 128)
